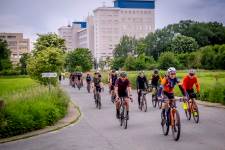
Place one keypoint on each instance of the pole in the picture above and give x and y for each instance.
(49, 85)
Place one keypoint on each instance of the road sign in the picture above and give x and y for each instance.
(49, 75)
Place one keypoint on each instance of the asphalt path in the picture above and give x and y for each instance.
(100, 130)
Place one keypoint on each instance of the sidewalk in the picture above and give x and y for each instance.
(72, 116)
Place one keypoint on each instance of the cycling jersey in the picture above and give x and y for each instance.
(122, 87)
(142, 82)
(188, 83)
(88, 78)
(155, 80)
(113, 79)
(96, 82)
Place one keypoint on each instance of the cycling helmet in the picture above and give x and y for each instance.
(156, 71)
(123, 74)
(96, 72)
(140, 72)
(191, 71)
(117, 72)
(171, 70)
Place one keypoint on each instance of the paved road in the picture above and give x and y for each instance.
(99, 130)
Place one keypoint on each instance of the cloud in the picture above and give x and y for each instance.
(42, 16)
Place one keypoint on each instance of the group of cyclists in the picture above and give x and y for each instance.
(120, 87)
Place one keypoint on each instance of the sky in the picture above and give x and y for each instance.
(42, 16)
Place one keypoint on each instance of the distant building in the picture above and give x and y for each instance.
(101, 32)
(133, 18)
(79, 35)
(17, 45)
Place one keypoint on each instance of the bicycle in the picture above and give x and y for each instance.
(88, 87)
(123, 112)
(113, 96)
(97, 97)
(171, 118)
(191, 108)
(143, 102)
(78, 84)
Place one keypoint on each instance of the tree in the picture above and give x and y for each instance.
(49, 40)
(118, 63)
(79, 57)
(47, 60)
(23, 62)
(5, 53)
(168, 59)
(130, 63)
(126, 46)
(158, 42)
(181, 43)
(204, 33)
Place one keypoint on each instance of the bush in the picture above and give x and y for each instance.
(215, 94)
(168, 59)
(32, 109)
(9, 72)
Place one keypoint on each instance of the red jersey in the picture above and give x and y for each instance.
(188, 83)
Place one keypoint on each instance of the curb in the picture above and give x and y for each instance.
(71, 117)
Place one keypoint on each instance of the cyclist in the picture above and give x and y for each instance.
(109, 78)
(188, 83)
(155, 79)
(78, 77)
(167, 85)
(112, 83)
(142, 84)
(122, 89)
(88, 79)
(97, 83)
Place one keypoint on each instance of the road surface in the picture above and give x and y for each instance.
(100, 130)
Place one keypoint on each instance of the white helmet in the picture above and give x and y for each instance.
(191, 71)
(171, 70)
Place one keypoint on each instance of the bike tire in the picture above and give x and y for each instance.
(99, 102)
(154, 102)
(121, 115)
(144, 101)
(195, 113)
(165, 126)
(125, 118)
(176, 129)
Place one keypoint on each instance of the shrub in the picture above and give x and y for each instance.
(168, 59)
(32, 109)
(9, 72)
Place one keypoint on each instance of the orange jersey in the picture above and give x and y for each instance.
(188, 83)
(169, 84)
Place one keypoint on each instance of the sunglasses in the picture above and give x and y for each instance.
(191, 74)
(173, 74)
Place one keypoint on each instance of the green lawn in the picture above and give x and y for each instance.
(9, 85)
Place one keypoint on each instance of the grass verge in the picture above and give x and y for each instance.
(30, 109)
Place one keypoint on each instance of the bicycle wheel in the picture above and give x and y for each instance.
(164, 124)
(99, 101)
(144, 106)
(154, 100)
(88, 88)
(195, 112)
(176, 125)
(125, 118)
(159, 103)
(96, 100)
(187, 111)
(121, 114)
